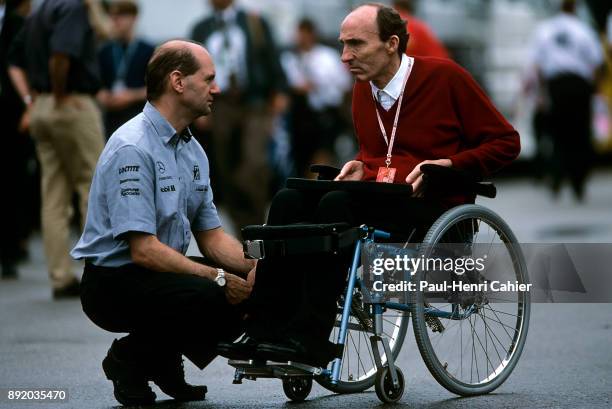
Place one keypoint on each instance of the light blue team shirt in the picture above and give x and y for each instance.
(148, 179)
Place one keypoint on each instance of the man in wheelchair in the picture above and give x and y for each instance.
(407, 112)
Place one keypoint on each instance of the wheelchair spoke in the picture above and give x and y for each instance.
(359, 362)
(474, 357)
(488, 361)
(488, 332)
(461, 347)
(501, 312)
(501, 323)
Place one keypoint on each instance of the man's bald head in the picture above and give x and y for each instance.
(380, 19)
(175, 55)
(363, 17)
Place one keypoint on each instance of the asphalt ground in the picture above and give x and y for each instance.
(567, 361)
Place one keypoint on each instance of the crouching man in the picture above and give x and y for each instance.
(151, 191)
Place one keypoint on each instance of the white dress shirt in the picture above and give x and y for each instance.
(387, 96)
(227, 48)
(564, 44)
(322, 69)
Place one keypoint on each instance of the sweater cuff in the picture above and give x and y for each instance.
(465, 160)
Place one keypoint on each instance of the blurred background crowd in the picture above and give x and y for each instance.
(285, 100)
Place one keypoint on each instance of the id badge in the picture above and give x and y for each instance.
(385, 175)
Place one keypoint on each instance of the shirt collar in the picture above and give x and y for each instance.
(161, 125)
(394, 87)
(228, 15)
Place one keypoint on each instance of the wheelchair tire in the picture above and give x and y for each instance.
(434, 333)
(358, 371)
(297, 388)
(384, 388)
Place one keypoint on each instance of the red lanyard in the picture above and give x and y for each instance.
(396, 120)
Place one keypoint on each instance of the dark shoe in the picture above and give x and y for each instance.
(288, 350)
(170, 377)
(294, 350)
(245, 348)
(72, 290)
(129, 381)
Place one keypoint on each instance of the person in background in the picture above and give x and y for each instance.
(252, 86)
(60, 80)
(17, 147)
(568, 56)
(423, 41)
(318, 82)
(123, 63)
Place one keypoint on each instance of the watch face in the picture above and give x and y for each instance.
(221, 281)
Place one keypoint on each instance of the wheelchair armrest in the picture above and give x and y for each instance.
(443, 181)
(326, 172)
(298, 239)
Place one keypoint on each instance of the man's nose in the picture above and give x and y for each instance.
(347, 55)
(214, 89)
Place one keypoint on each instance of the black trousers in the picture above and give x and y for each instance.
(570, 127)
(296, 295)
(165, 314)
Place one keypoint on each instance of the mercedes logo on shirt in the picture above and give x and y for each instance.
(161, 167)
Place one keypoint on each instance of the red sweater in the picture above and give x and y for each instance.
(444, 115)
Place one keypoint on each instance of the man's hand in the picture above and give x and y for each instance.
(24, 122)
(236, 289)
(415, 178)
(279, 104)
(116, 101)
(352, 170)
(251, 276)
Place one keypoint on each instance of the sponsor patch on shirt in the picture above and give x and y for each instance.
(129, 168)
(130, 191)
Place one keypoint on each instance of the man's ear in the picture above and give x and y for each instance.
(392, 44)
(176, 81)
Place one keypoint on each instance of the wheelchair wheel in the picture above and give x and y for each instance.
(472, 341)
(385, 390)
(358, 371)
(297, 389)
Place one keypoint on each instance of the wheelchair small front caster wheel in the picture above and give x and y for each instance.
(297, 389)
(385, 390)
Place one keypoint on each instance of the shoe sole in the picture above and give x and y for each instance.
(192, 398)
(274, 354)
(109, 367)
(232, 354)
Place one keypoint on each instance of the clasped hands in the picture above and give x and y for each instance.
(353, 170)
(237, 289)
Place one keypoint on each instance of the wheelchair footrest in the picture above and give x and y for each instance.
(297, 239)
(252, 369)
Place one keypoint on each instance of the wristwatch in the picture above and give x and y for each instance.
(220, 279)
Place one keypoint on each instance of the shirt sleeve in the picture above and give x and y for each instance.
(129, 183)
(206, 218)
(488, 141)
(70, 30)
(16, 51)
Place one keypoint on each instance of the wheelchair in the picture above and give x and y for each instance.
(470, 343)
